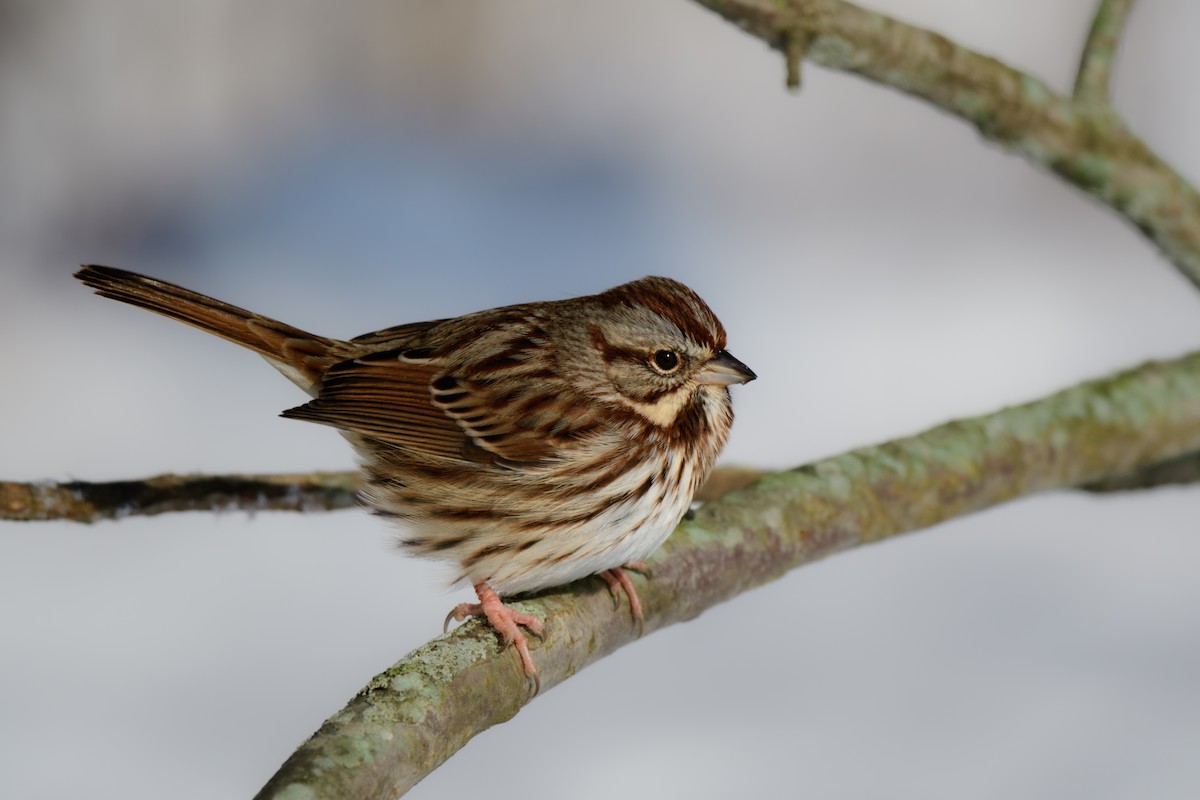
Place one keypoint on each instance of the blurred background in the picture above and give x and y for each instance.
(350, 166)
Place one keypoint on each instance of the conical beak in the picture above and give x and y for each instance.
(723, 369)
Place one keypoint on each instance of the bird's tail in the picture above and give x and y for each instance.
(301, 356)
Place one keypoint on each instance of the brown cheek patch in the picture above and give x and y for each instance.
(654, 395)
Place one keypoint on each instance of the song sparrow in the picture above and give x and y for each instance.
(532, 445)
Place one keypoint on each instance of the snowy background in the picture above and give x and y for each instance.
(346, 167)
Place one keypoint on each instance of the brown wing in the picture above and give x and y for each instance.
(490, 416)
(385, 396)
(509, 397)
(464, 391)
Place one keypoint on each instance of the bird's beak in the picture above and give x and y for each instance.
(723, 369)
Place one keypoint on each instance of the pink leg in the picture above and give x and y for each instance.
(505, 621)
(617, 579)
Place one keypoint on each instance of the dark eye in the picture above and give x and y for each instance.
(666, 361)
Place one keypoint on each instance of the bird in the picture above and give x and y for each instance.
(530, 445)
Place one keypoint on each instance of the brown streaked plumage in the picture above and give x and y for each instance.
(532, 445)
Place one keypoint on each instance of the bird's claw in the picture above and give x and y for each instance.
(617, 579)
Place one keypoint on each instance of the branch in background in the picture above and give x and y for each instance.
(79, 501)
(723, 480)
(86, 502)
(415, 715)
(1085, 143)
(1173, 472)
(1099, 51)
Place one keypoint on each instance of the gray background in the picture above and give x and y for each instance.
(351, 166)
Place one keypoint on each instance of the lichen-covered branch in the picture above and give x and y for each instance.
(1085, 143)
(80, 501)
(413, 716)
(1099, 51)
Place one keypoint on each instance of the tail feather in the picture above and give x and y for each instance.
(301, 356)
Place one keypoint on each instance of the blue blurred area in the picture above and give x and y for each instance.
(427, 210)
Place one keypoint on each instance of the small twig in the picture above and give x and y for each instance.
(415, 715)
(794, 48)
(1099, 51)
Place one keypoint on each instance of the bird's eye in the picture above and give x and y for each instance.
(666, 361)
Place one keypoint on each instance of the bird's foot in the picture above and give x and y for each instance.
(618, 581)
(506, 621)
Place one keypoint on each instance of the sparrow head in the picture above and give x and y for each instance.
(658, 346)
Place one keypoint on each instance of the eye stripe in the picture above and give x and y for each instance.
(611, 352)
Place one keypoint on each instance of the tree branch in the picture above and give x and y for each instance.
(416, 714)
(1096, 62)
(1085, 143)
